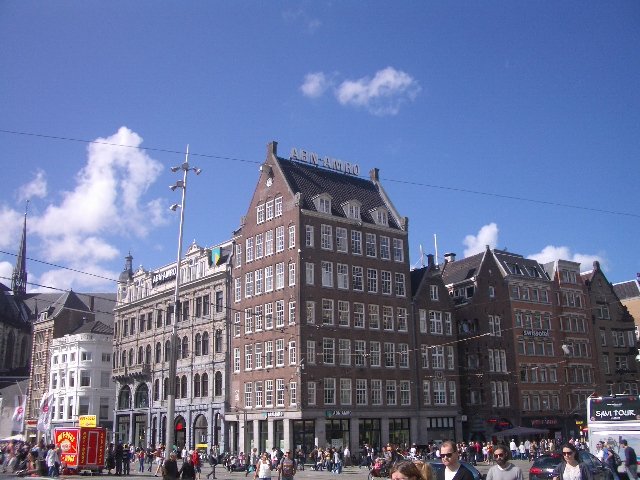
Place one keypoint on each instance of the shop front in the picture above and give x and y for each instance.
(399, 432)
(369, 432)
(304, 434)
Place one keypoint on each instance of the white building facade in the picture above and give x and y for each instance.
(80, 376)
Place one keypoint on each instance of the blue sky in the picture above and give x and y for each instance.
(535, 100)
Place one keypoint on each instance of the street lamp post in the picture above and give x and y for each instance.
(173, 358)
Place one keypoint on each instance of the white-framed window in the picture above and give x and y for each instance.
(385, 248)
(279, 276)
(278, 206)
(403, 355)
(426, 392)
(400, 285)
(327, 274)
(268, 278)
(439, 392)
(292, 236)
(405, 392)
(268, 393)
(309, 273)
(236, 359)
(434, 293)
(248, 320)
(248, 357)
(402, 319)
(248, 395)
(268, 316)
(328, 351)
(327, 311)
(391, 392)
(268, 243)
(268, 353)
(371, 247)
(358, 315)
(437, 357)
(259, 386)
(450, 357)
(424, 356)
(372, 280)
(374, 317)
(292, 312)
(453, 398)
(259, 245)
(269, 209)
(293, 393)
(308, 236)
(357, 280)
(311, 393)
(260, 214)
(259, 281)
(359, 350)
(385, 282)
(292, 274)
(398, 250)
(237, 289)
(279, 239)
(238, 259)
(311, 352)
(387, 318)
(326, 239)
(257, 351)
(448, 324)
(279, 352)
(293, 356)
(361, 391)
(249, 250)
(343, 276)
(343, 313)
(324, 204)
(279, 313)
(376, 392)
(329, 391)
(435, 322)
(422, 320)
(311, 312)
(341, 240)
(389, 354)
(356, 242)
(375, 354)
(344, 351)
(248, 284)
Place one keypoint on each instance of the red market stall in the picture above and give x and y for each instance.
(81, 448)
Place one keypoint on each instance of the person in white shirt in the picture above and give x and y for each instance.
(514, 448)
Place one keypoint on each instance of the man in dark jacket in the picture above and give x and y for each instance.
(119, 454)
(188, 470)
(170, 468)
(630, 460)
(450, 458)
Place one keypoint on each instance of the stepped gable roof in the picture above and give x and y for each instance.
(461, 270)
(626, 290)
(93, 326)
(310, 181)
(516, 264)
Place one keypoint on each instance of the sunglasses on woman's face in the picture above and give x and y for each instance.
(567, 453)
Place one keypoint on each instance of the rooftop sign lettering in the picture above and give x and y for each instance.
(313, 158)
(163, 276)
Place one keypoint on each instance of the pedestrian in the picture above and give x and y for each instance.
(263, 468)
(119, 453)
(286, 467)
(571, 468)
(213, 461)
(111, 459)
(141, 456)
(158, 454)
(503, 469)
(53, 460)
(197, 464)
(513, 447)
(630, 460)
(188, 470)
(126, 460)
(407, 470)
(170, 468)
(450, 459)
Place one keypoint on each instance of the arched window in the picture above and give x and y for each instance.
(167, 350)
(204, 385)
(142, 396)
(124, 399)
(123, 359)
(176, 393)
(218, 341)
(183, 387)
(198, 345)
(156, 389)
(147, 355)
(185, 347)
(130, 356)
(196, 385)
(140, 355)
(217, 384)
(158, 352)
(205, 343)
(165, 388)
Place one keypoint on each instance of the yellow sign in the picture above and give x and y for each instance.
(87, 421)
(579, 422)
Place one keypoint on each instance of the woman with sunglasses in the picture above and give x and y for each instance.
(571, 468)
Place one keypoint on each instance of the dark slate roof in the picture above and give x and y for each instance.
(625, 290)
(93, 327)
(461, 270)
(416, 279)
(13, 311)
(311, 181)
(103, 303)
(525, 267)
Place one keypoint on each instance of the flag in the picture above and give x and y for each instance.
(18, 415)
(216, 253)
(44, 417)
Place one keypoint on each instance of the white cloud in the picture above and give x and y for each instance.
(551, 253)
(381, 95)
(36, 188)
(6, 270)
(11, 222)
(314, 84)
(487, 235)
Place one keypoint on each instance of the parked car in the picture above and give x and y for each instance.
(438, 469)
(543, 466)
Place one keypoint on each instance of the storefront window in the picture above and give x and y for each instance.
(369, 431)
(337, 432)
(303, 435)
(399, 431)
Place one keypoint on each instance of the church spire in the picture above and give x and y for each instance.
(19, 277)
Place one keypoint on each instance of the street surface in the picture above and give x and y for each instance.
(352, 473)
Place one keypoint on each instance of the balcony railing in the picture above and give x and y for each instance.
(140, 370)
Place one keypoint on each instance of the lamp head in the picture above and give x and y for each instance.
(174, 207)
(175, 169)
(197, 170)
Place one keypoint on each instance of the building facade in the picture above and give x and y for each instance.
(80, 376)
(615, 342)
(144, 314)
(323, 347)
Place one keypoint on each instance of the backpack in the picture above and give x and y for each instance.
(617, 459)
(287, 467)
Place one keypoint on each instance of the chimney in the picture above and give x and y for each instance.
(374, 174)
(272, 149)
(92, 303)
(449, 257)
(430, 263)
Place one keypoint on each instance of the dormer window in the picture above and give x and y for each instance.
(352, 209)
(323, 203)
(380, 216)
